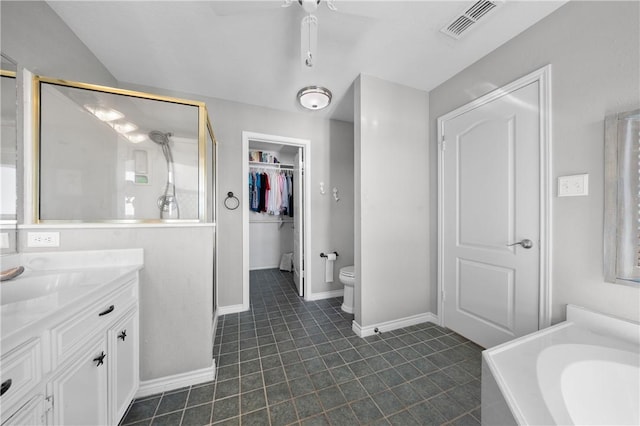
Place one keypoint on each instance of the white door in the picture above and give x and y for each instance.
(490, 200)
(298, 223)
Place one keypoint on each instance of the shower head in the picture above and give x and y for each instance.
(159, 137)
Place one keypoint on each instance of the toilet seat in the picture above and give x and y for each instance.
(348, 278)
(348, 272)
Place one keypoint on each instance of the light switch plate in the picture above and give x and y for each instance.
(573, 186)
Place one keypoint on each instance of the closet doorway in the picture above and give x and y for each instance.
(275, 222)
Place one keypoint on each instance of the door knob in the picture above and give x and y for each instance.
(527, 244)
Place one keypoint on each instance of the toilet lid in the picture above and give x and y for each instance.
(348, 271)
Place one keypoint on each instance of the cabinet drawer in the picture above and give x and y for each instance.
(23, 368)
(69, 335)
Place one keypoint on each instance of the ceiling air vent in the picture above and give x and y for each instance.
(467, 19)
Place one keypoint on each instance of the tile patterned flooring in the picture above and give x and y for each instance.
(287, 361)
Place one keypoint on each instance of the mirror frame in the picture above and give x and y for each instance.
(204, 126)
(11, 224)
(611, 210)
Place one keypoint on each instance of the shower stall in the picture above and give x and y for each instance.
(113, 155)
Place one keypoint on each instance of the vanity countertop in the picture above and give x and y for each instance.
(54, 283)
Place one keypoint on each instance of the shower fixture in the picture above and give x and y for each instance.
(167, 202)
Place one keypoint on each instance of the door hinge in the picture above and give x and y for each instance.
(443, 144)
(48, 404)
(444, 296)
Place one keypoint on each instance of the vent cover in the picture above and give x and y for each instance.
(467, 19)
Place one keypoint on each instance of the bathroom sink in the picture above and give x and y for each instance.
(40, 284)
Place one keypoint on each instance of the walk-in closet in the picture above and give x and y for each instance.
(274, 173)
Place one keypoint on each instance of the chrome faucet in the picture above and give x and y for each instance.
(11, 273)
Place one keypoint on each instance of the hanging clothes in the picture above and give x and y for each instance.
(291, 196)
(263, 192)
(271, 192)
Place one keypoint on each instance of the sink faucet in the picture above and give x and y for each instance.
(11, 273)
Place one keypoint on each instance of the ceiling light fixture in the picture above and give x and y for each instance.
(314, 97)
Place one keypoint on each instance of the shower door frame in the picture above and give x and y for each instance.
(304, 144)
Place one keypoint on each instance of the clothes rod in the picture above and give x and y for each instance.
(280, 166)
(271, 221)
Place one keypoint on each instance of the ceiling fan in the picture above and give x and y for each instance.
(309, 28)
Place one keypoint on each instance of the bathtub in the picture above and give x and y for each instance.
(584, 371)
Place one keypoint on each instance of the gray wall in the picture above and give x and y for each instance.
(32, 34)
(331, 155)
(35, 36)
(594, 51)
(176, 294)
(392, 221)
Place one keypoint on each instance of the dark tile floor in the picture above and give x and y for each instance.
(287, 361)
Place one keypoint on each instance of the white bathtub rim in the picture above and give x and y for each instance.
(569, 355)
(529, 407)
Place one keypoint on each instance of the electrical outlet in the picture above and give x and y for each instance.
(43, 239)
(573, 186)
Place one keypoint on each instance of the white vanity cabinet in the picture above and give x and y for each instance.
(124, 374)
(82, 366)
(77, 395)
(97, 382)
(31, 413)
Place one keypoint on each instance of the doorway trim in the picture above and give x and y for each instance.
(543, 77)
(280, 140)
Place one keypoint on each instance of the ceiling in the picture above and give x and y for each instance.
(249, 51)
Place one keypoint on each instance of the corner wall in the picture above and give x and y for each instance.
(392, 204)
(594, 51)
(176, 295)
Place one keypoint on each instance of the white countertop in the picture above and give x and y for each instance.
(55, 282)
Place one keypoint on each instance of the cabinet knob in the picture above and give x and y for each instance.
(99, 360)
(5, 386)
(122, 335)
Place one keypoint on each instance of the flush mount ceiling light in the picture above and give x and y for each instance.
(314, 97)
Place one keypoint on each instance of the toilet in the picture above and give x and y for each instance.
(347, 277)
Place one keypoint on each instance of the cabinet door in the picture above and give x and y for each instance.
(124, 365)
(80, 390)
(32, 413)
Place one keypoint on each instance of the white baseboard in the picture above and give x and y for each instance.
(214, 326)
(393, 324)
(177, 381)
(325, 295)
(232, 309)
(262, 268)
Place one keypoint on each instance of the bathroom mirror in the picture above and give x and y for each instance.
(622, 198)
(112, 155)
(8, 156)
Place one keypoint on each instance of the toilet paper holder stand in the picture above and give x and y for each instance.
(324, 255)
